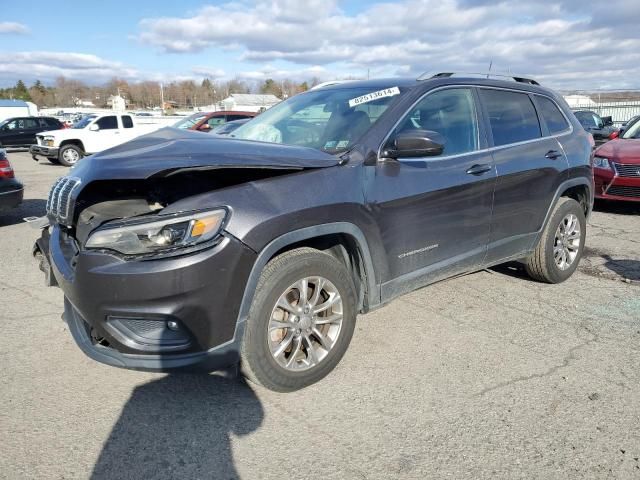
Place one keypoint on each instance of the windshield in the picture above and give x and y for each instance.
(331, 120)
(633, 131)
(189, 122)
(84, 121)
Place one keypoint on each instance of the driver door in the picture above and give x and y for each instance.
(434, 213)
(107, 136)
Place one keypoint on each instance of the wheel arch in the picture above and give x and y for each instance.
(343, 240)
(580, 189)
(74, 141)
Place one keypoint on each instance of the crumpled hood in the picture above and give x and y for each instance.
(170, 149)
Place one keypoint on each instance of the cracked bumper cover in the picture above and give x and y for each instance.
(118, 311)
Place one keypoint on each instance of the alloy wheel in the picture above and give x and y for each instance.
(305, 323)
(567, 241)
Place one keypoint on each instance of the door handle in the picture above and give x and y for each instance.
(479, 169)
(553, 154)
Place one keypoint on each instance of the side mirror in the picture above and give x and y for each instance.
(205, 127)
(415, 143)
(94, 127)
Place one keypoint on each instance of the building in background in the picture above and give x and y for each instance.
(17, 108)
(248, 102)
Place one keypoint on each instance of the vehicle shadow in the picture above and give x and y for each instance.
(511, 269)
(629, 269)
(180, 426)
(621, 208)
(32, 207)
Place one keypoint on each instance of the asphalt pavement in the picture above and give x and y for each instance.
(489, 375)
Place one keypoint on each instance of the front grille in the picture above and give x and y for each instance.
(59, 201)
(624, 191)
(627, 169)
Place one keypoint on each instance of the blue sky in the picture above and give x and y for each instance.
(568, 44)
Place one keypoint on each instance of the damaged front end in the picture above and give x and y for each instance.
(151, 278)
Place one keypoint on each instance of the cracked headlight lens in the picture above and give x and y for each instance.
(159, 235)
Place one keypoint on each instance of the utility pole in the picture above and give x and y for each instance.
(161, 99)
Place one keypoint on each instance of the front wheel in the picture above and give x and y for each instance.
(560, 248)
(69, 155)
(301, 320)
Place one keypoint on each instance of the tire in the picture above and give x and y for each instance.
(546, 264)
(259, 361)
(69, 155)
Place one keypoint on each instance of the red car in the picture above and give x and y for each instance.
(616, 167)
(205, 121)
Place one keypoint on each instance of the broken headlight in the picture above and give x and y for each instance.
(159, 235)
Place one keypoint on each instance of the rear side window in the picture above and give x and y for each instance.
(127, 122)
(552, 115)
(108, 123)
(512, 116)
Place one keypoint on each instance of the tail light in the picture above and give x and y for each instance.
(614, 134)
(592, 142)
(6, 170)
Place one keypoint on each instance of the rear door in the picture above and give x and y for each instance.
(434, 213)
(30, 128)
(127, 132)
(530, 165)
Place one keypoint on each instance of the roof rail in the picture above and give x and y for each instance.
(516, 78)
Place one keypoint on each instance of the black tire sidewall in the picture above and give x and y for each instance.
(568, 206)
(264, 366)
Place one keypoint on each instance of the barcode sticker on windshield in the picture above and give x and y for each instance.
(369, 97)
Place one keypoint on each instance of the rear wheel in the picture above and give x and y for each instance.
(69, 155)
(560, 248)
(301, 320)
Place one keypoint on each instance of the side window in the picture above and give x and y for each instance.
(552, 115)
(20, 124)
(215, 121)
(108, 123)
(451, 113)
(53, 123)
(511, 115)
(127, 122)
(30, 123)
(586, 119)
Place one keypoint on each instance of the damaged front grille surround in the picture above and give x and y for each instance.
(60, 198)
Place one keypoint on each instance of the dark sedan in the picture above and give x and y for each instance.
(21, 131)
(11, 190)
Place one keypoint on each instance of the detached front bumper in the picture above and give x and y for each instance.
(159, 315)
(609, 185)
(49, 152)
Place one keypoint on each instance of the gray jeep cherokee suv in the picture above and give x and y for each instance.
(183, 251)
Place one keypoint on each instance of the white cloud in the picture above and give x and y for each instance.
(542, 38)
(49, 65)
(13, 27)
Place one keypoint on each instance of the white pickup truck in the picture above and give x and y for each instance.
(91, 134)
